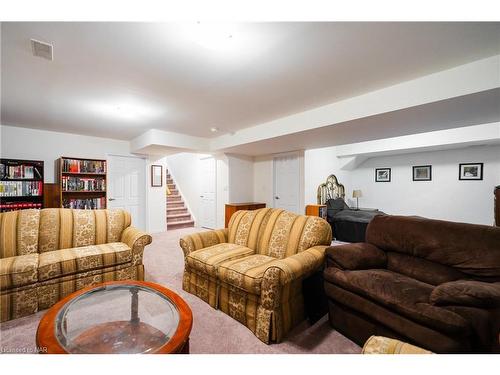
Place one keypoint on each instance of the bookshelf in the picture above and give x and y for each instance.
(82, 182)
(21, 184)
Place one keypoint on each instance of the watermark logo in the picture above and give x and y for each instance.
(23, 350)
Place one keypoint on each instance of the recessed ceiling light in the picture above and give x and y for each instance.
(212, 36)
(214, 129)
(220, 41)
(125, 109)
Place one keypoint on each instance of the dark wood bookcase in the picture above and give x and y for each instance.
(82, 182)
(21, 184)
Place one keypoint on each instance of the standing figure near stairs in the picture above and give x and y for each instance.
(178, 215)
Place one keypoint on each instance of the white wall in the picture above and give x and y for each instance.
(445, 197)
(222, 183)
(263, 180)
(240, 181)
(319, 164)
(24, 143)
(156, 198)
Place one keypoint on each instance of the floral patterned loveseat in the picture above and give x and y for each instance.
(253, 270)
(47, 254)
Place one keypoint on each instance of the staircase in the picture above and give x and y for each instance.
(178, 215)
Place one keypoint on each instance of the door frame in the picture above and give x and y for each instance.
(215, 192)
(144, 184)
(297, 154)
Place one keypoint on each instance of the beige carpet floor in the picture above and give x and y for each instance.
(213, 331)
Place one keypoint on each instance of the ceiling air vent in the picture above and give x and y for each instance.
(42, 49)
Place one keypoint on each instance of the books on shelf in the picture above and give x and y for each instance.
(22, 171)
(79, 177)
(21, 184)
(83, 166)
(83, 184)
(86, 204)
(21, 188)
(12, 206)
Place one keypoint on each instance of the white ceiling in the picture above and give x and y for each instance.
(172, 82)
(479, 108)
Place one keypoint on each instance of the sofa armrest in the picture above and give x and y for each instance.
(355, 256)
(467, 293)
(136, 240)
(197, 241)
(281, 272)
(386, 345)
(299, 265)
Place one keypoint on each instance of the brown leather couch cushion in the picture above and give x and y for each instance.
(472, 249)
(400, 293)
(422, 270)
(467, 293)
(356, 256)
(359, 317)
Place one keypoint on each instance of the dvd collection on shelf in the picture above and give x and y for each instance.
(86, 204)
(83, 166)
(18, 172)
(21, 184)
(21, 188)
(82, 184)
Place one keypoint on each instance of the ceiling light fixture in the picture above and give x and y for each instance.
(219, 41)
(211, 36)
(125, 109)
(214, 129)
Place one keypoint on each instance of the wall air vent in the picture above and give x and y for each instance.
(42, 49)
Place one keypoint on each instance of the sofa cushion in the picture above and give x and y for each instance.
(397, 292)
(287, 234)
(356, 256)
(421, 269)
(245, 273)
(58, 263)
(278, 233)
(19, 232)
(467, 293)
(208, 259)
(18, 271)
(470, 248)
(63, 228)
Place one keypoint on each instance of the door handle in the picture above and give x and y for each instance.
(111, 199)
(276, 197)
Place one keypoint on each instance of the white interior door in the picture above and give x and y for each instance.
(208, 205)
(127, 187)
(287, 182)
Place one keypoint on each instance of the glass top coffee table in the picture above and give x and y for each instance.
(117, 317)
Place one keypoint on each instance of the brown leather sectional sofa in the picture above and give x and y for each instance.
(432, 283)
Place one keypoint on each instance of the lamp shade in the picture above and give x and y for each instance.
(357, 194)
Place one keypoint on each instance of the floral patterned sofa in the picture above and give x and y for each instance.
(253, 270)
(47, 254)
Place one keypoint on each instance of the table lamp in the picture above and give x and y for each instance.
(357, 194)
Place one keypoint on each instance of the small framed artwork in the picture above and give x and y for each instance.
(383, 175)
(422, 173)
(470, 171)
(156, 176)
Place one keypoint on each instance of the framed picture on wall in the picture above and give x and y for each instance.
(470, 171)
(383, 175)
(422, 173)
(156, 176)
